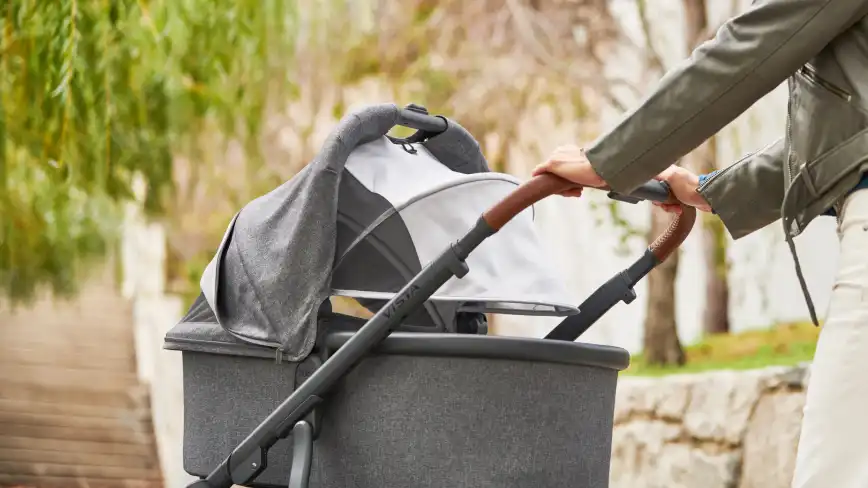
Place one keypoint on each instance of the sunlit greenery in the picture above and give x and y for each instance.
(96, 92)
(779, 345)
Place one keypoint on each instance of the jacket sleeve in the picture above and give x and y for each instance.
(750, 55)
(757, 179)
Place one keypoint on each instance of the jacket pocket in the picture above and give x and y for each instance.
(810, 75)
(821, 119)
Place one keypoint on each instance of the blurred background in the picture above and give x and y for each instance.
(131, 131)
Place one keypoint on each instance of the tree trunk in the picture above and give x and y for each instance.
(704, 160)
(715, 317)
(661, 336)
(695, 22)
(661, 345)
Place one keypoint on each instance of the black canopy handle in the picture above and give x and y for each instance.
(417, 117)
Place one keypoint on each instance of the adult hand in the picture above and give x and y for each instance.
(570, 163)
(683, 184)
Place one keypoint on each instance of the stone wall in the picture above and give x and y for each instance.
(722, 429)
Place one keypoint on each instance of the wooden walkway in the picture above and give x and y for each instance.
(72, 410)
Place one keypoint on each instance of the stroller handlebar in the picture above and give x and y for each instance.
(549, 184)
(527, 194)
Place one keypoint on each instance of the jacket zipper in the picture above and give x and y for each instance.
(733, 165)
(811, 75)
(788, 168)
(722, 171)
(789, 136)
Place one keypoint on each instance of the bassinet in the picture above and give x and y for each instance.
(392, 223)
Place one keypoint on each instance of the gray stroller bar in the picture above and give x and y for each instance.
(293, 417)
(620, 287)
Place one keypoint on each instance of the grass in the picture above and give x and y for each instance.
(781, 345)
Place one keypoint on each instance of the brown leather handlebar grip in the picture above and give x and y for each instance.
(548, 184)
(675, 234)
(524, 196)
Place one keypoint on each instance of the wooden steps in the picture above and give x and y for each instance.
(20, 481)
(76, 445)
(73, 378)
(76, 410)
(22, 390)
(77, 471)
(73, 413)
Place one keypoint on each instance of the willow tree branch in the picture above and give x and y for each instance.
(560, 62)
(652, 54)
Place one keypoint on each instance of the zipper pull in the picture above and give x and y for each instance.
(278, 355)
(408, 147)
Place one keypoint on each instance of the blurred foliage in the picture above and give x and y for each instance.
(611, 211)
(717, 231)
(96, 93)
(786, 344)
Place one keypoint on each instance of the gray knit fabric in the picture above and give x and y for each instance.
(422, 422)
(209, 337)
(271, 273)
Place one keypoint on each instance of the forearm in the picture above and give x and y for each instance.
(748, 195)
(750, 55)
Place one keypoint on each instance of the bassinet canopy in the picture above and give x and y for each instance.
(360, 220)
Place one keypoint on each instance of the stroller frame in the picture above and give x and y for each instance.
(296, 416)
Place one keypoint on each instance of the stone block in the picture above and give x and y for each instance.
(770, 444)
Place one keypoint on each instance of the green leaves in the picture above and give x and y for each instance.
(49, 230)
(96, 92)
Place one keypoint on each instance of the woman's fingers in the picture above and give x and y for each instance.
(572, 192)
(674, 208)
(541, 168)
(550, 166)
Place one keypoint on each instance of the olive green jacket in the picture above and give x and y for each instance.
(820, 47)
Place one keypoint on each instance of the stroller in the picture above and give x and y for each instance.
(418, 395)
